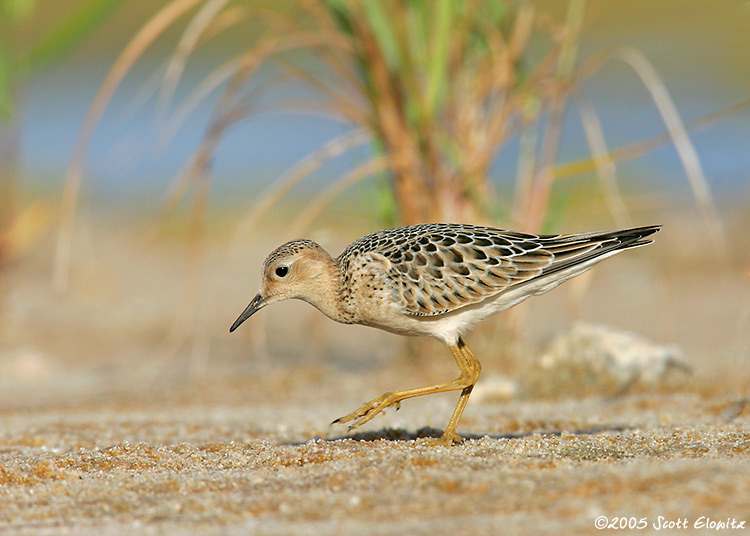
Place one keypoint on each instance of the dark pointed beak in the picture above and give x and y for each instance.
(257, 303)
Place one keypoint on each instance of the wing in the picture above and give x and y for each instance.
(437, 268)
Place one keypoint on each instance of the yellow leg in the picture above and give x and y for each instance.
(470, 369)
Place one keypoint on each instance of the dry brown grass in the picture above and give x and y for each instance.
(437, 90)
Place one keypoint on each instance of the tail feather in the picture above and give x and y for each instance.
(580, 248)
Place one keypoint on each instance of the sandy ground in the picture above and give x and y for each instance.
(126, 408)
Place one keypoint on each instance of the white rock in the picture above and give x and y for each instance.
(618, 356)
(494, 388)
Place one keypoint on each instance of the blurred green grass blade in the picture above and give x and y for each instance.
(384, 32)
(6, 93)
(15, 10)
(569, 51)
(68, 33)
(340, 14)
(438, 60)
(497, 10)
(418, 23)
(343, 18)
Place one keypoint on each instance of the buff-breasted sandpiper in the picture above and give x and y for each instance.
(437, 279)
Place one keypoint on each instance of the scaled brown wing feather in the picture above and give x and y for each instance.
(437, 268)
(455, 269)
(458, 272)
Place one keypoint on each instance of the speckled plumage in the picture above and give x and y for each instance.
(436, 279)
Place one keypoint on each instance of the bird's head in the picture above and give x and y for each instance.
(299, 269)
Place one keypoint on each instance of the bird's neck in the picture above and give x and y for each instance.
(326, 296)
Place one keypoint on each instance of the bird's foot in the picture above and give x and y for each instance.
(446, 440)
(369, 410)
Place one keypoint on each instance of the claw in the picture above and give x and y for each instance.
(368, 411)
(444, 440)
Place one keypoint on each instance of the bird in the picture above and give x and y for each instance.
(435, 279)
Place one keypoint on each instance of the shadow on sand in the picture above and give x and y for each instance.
(399, 434)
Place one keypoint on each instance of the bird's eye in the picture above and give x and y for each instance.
(281, 271)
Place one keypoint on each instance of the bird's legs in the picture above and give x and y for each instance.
(470, 369)
(468, 364)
